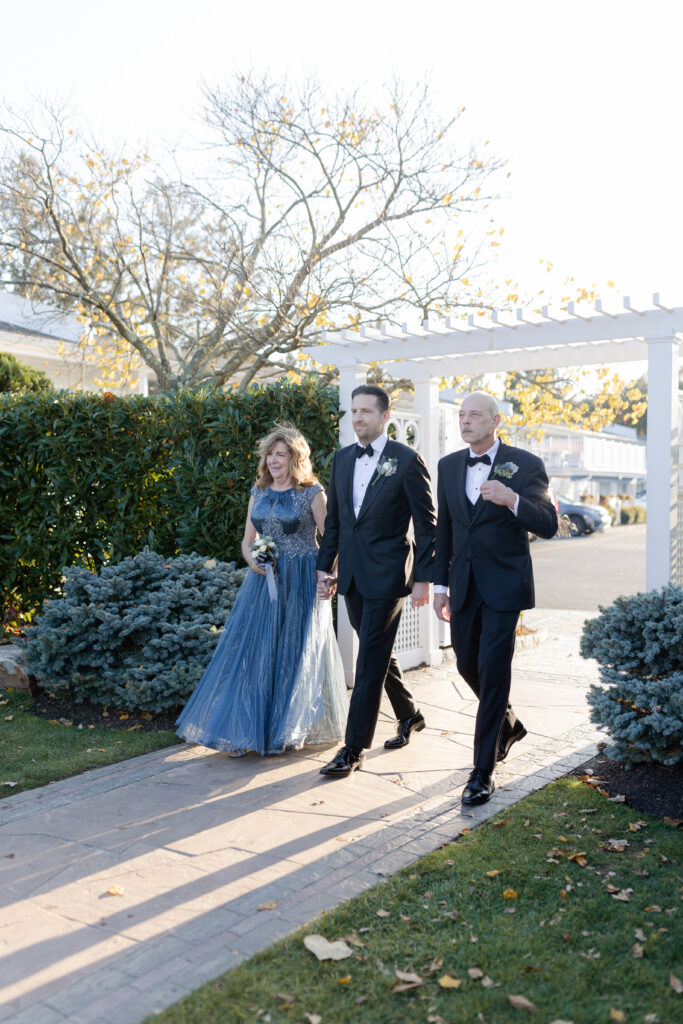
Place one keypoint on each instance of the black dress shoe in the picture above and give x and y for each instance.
(518, 733)
(479, 788)
(404, 728)
(343, 763)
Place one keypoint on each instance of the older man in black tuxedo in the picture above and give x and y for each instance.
(490, 497)
(377, 487)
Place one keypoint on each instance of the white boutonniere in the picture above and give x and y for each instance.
(386, 468)
(506, 470)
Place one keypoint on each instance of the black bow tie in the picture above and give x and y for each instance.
(474, 459)
(364, 451)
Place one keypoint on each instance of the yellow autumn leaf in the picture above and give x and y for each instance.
(510, 894)
(114, 890)
(345, 980)
(448, 981)
(492, 874)
(617, 1015)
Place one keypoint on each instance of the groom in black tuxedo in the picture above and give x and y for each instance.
(490, 497)
(376, 487)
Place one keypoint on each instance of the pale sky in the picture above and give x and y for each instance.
(582, 98)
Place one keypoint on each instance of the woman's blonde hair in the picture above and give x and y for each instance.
(300, 467)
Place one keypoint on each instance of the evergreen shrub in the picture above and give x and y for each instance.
(138, 635)
(638, 642)
(16, 377)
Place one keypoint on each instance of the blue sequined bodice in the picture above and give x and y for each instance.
(286, 516)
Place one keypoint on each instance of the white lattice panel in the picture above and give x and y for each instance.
(677, 575)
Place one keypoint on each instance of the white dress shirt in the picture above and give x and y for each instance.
(474, 478)
(364, 471)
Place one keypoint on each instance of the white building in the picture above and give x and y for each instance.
(40, 336)
(611, 461)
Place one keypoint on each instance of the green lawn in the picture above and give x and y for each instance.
(34, 751)
(537, 903)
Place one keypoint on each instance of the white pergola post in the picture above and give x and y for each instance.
(662, 461)
(349, 378)
(427, 406)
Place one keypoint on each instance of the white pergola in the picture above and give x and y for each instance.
(577, 336)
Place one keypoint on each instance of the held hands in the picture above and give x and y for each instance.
(442, 607)
(498, 493)
(327, 586)
(256, 568)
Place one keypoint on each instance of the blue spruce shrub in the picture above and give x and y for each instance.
(137, 635)
(638, 642)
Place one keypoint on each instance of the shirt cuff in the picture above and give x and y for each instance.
(439, 589)
(515, 506)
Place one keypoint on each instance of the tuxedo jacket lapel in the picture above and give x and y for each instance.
(459, 484)
(346, 479)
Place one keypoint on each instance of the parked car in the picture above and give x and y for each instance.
(584, 518)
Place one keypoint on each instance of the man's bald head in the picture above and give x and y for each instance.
(479, 418)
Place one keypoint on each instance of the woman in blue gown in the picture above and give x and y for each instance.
(276, 680)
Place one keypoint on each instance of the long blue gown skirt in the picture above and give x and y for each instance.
(276, 679)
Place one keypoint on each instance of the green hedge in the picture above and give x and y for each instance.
(90, 479)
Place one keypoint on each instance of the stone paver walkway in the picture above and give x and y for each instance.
(197, 842)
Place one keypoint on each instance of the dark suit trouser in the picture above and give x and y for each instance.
(484, 642)
(376, 622)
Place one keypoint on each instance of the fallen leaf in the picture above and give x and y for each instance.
(651, 1018)
(123, 716)
(676, 983)
(464, 831)
(654, 909)
(489, 982)
(324, 950)
(510, 894)
(559, 1021)
(354, 940)
(499, 824)
(382, 913)
(114, 890)
(284, 998)
(147, 715)
(406, 980)
(640, 935)
(623, 895)
(492, 874)
(9, 718)
(268, 905)
(618, 799)
(673, 821)
(475, 972)
(617, 1015)
(345, 980)
(449, 863)
(616, 845)
(313, 1018)
(448, 981)
(522, 1003)
(637, 950)
(132, 728)
(10, 784)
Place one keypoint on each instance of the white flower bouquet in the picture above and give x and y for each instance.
(265, 550)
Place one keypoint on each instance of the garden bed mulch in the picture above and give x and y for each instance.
(653, 789)
(58, 709)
